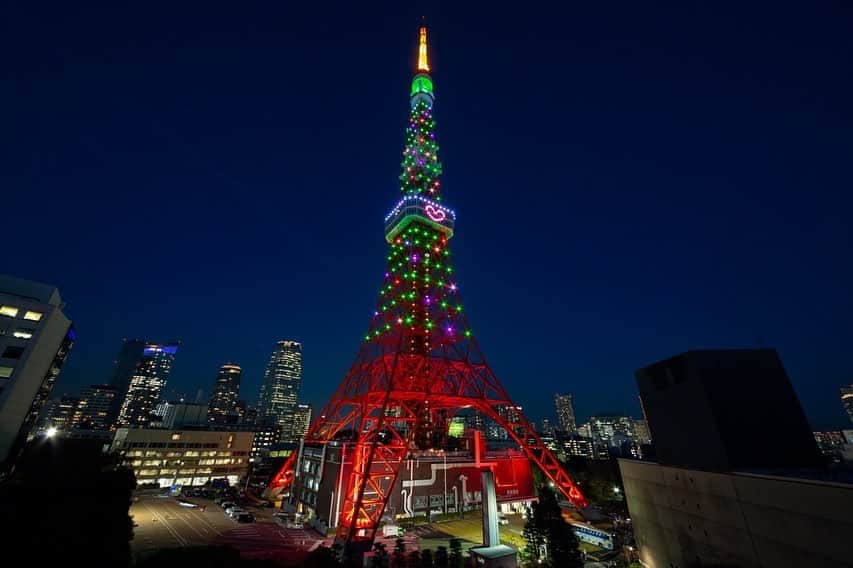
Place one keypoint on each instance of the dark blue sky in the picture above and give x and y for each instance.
(631, 180)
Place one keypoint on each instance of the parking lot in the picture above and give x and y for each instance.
(163, 521)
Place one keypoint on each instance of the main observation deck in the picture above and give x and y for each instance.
(418, 208)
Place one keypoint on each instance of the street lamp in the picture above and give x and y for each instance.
(51, 432)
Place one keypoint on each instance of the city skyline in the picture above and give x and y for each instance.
(662, 245)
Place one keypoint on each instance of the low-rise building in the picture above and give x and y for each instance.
(186, 457)
(687, 517)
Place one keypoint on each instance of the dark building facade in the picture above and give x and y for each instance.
(124, 367)
(222, 408)
(723, 410)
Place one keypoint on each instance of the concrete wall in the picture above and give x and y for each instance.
(687, 518)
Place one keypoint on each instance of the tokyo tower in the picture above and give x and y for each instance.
(419, 362)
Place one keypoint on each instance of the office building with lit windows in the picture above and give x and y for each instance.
(60, 413)
(187, 457)
(280, 388)
(565, 413)
(124, 367)
(96, 402)
(301, 423)
(222, 407)
(35, 338)
(146, 384)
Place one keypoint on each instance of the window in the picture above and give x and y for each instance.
(13, 352)
(6, 372)
(176, 436)
(32, 316)
(23, 333)
(8, 311)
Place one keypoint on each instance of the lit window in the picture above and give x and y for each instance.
(176, 436)
(8, 311)
(6, 372)
(23, 333)
(32, 316)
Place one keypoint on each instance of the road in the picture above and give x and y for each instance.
(162, 522)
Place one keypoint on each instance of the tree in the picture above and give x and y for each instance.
(426, 559)
(398, 560)
(380, 556)
(455, 553)
(442, 560)
(322, 557)
(561, 540)
(415, 559)
(533, 536)
(59, 477)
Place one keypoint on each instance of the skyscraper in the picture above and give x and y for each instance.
(847, 400)
(124, 367)
(35, 338)
(222, 408)
(565, 413)
(301, 422)
(60, 413)
(277, 401)
(152, 372)
(96, 403)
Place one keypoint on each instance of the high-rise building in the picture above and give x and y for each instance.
(35, 337)
(711, 409)
(301, 422)
(222, 408)
(610, 430)
(565, 413)
(847, 400)
(96, 403)
(280, 389)
(148, 381)
(124, 367)
(547, 428)
(248, 413)
(60, 413)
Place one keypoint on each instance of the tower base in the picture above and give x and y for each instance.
(499, 556)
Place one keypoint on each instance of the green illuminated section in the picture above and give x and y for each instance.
(421, 84)
(456, 429)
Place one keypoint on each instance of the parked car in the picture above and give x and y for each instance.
(236, 512)
(502, 519)
(245, 517)
(227, 504)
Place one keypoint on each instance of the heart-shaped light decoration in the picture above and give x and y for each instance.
(435, 214)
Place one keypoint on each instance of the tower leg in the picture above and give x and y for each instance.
(377, 459)
(528, 440)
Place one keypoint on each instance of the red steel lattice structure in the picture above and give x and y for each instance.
(419, 363)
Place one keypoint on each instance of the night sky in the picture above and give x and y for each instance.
(631, 180)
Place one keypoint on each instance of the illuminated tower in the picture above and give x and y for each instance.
(419, 362)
